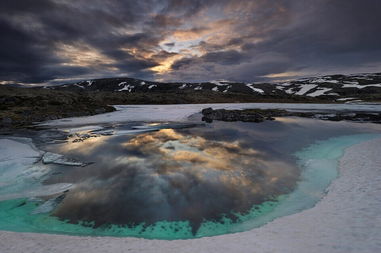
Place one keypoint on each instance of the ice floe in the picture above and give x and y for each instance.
(48, 205)
(49, 157)
(21, 175)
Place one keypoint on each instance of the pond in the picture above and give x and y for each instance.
(176, 180)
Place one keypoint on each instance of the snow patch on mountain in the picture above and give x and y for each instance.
(356, 85)
(319, 92)
(127, 87)
(305, 88)
(80, 86)
(220, 82)
(324, 80)
(183, 86)
(250, 85)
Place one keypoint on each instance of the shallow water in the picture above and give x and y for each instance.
(178, 180)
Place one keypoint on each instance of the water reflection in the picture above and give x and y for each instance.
(193, 174)
(172, 176)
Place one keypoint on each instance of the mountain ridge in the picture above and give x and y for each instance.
(330, 87)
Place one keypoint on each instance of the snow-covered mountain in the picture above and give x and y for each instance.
(335, 87)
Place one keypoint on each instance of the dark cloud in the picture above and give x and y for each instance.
(43, 40)
(168, 175)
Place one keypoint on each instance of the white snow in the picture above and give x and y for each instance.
(220, 82)
(319, 92)
(285, 84)
(152, 86)
(184, 85)
(305, 88)
(227, 89)
(89, 83)
(250, 85)
(354, 101)
(290, 91)
(127, 87)
(198, 88)
(164, 113)
(354, 85)
(20, 173)
(215, 89)
(143, 83)
(345, 99)
(324, 80)
(351, 82)
(49, 157)
(346, 220)
(122, 83)
(80, 86)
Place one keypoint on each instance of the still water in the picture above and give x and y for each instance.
(182, 180)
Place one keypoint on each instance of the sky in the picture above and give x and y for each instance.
(62, 41)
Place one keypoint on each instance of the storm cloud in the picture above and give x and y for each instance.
(57, 41)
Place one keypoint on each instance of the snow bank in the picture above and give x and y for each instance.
(164, 113)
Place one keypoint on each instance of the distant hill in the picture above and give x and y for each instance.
(331, 87)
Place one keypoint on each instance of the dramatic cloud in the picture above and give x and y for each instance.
(172, 176)
(64, 40)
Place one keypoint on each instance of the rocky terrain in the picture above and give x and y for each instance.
(332, 88)
(21, 106)
(260, 115)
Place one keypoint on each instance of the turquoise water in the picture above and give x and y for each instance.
(319, 167)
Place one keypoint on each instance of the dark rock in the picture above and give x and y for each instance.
(208, 110)
(100, 110)
(6, 121)
(259, 115)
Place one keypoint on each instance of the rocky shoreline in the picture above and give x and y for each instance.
(26, 107)
(261, 115)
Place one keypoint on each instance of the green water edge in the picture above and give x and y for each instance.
(318, 162)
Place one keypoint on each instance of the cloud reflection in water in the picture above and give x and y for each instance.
(173, 176)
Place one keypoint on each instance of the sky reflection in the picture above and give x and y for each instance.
(193, 174)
